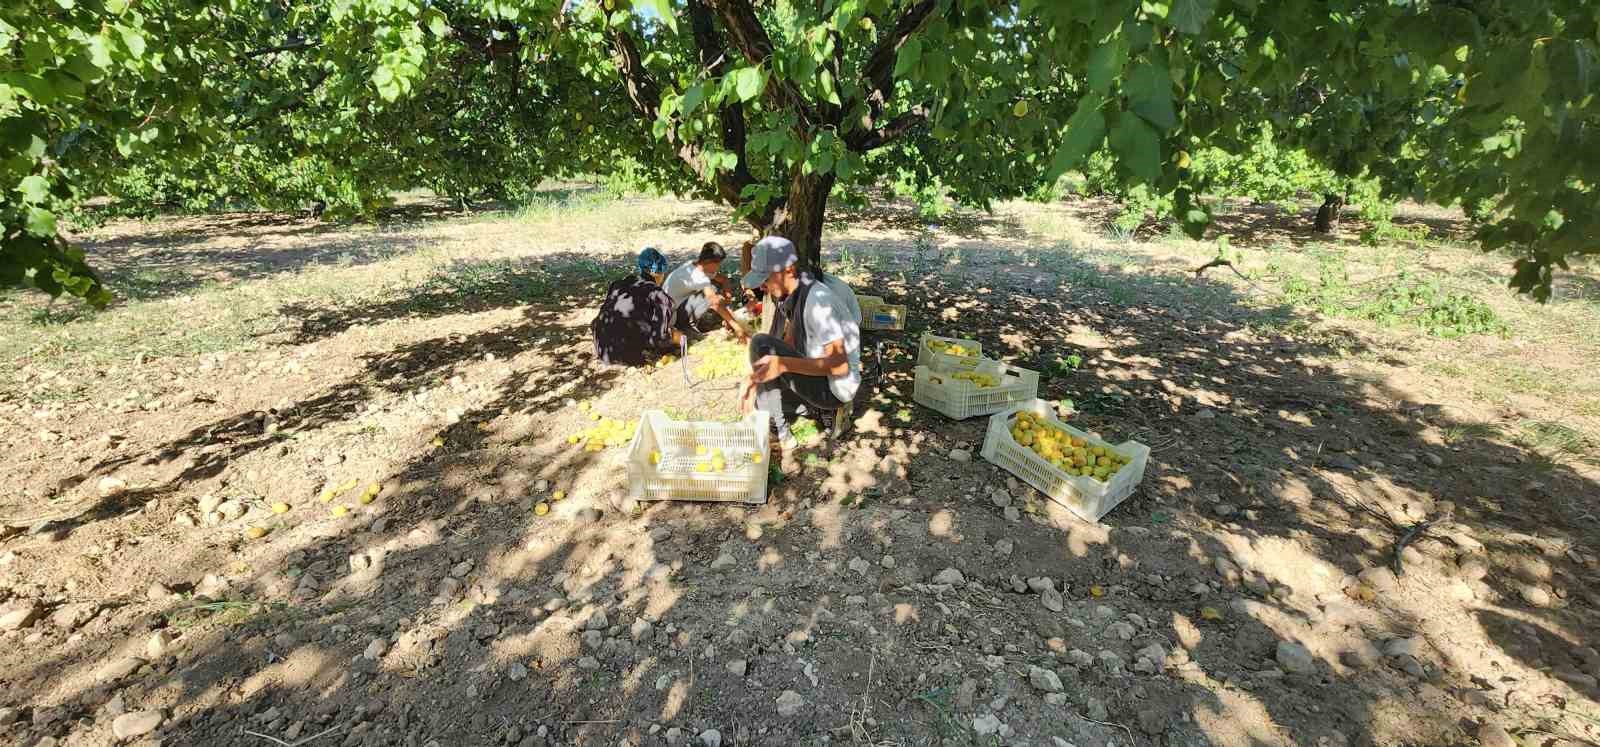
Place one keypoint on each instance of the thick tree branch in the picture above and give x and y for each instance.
(877, 77)
(752, 41)
(862, 141)
(715, 61)
(293, 46)
(878, 74)
(645, 95)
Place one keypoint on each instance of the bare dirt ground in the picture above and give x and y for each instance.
(894, 590)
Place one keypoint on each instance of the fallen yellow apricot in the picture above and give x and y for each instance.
(256, 533)
(280, 508)
(541, 509)
(340, 511)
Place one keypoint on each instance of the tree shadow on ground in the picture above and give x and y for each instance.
(448, 612)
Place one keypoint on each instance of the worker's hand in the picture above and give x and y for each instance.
(765, 369)
(747, 400)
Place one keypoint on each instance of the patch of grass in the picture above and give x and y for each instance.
(805, 430)
(225, 612)
(1405, 297)
(1466, 431)
(939, 700)
(1552, 438)
(562, 203)
(495, 279)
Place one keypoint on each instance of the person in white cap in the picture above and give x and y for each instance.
(838, 284)
(814, 356)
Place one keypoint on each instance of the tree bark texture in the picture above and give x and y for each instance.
(1328, 214)
(800, 218)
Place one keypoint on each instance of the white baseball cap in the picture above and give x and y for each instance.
(771, 254)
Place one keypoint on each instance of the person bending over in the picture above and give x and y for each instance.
(698, 290)
(634, 325)
(815, 361)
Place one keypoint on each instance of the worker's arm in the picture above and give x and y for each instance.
(834, 362)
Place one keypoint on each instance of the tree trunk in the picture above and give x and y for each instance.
(800, 218)
(1328, 214)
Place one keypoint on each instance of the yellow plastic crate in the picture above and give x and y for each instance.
(938, 361)
(878, 315)
(961, 399)
(1084, 496)
(743, 445)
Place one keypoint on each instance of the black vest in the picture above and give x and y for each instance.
(790, 318)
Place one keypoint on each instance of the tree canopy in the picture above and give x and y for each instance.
(769, 107)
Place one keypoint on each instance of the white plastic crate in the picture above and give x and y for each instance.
(961, 399)
(878, 315)
(1084, 496)
(938, 361)
(674, 477)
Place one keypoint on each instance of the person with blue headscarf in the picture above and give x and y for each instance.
(634, 325)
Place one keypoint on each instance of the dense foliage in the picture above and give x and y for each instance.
(770, 107)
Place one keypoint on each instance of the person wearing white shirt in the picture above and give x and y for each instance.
(816, 361)
(697, 289)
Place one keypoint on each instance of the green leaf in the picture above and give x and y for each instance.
(1138, 148)
(1104, 63)
(132, 39)
(41, 222)
(826, 79)
(34, 189)
(661, 9)
(99, 52)
(437, 24)
(116, 7)
(750, 81)
(1149, 89)
(1190, 16)
(692, 99)
(1085, 131)
(910, 54)
(387, 84)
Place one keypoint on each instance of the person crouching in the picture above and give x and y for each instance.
(815, 359)
(634, 325)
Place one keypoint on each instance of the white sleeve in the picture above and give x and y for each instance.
(824, 317)
(698, 278)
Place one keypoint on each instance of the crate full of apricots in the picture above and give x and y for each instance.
(1078, 470)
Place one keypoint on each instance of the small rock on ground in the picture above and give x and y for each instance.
(1490, 735)
(790, 703)
(949, 576)
(1044, 680)
(1295, 658)
(138, 723)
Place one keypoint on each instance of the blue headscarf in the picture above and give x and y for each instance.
(651, 261)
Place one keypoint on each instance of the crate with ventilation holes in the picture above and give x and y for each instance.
(686, 460)
(878, 315)
(1086, 496)
(948, 353)
(987, 388)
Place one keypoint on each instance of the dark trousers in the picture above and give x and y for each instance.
(780, 397)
